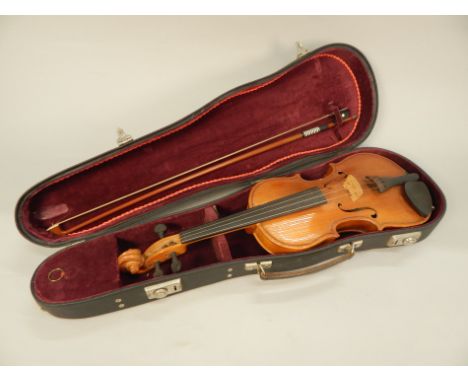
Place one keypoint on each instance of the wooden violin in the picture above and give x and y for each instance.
(364, 192)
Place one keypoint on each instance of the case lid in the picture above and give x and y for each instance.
(320, 83)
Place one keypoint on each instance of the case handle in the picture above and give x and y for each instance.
(349, 250)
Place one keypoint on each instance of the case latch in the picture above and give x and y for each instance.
(162, 290)
(404, 239)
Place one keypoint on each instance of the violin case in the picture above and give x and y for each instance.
(82, 279)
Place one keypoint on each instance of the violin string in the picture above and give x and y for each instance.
(332, 196)
(271, 206)
(248, 212)
(224, 227)
(250, 218)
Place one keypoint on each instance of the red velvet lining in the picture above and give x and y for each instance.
(336, 77)
(90, 268)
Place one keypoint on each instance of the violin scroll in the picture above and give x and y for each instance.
(163, 249)
(131, 261)
(135, 262)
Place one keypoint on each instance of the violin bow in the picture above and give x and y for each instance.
(205, 168)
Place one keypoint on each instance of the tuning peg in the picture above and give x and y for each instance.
(157, 270)
(176, 265)
(160, 229)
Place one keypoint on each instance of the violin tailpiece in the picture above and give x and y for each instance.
(384, 183)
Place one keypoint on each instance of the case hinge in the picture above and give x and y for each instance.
(300, 50)
(123, 138)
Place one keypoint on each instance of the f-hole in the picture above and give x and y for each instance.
(373, 215)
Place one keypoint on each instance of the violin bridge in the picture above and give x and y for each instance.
(353, 187)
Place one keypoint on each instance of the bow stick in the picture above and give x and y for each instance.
(226, 160)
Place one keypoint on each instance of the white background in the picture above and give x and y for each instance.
(67, 83)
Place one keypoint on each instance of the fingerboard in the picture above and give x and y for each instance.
(292, 203)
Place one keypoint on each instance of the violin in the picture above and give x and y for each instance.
(365, 192)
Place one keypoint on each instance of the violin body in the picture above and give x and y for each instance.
(370, 211)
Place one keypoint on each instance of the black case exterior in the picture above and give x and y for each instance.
(136, 294)
(282, 265)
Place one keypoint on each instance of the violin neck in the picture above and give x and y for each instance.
(280, 207)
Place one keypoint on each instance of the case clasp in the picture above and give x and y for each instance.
(404, 239)
(162, 290)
